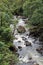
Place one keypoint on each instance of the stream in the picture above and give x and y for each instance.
(27, 54)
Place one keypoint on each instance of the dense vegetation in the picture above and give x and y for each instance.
(33, 9)
(7, 57)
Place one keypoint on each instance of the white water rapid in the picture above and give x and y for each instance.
(27, 51)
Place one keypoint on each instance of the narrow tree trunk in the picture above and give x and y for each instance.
(1, 20)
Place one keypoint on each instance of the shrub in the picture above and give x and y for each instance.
(6, 56)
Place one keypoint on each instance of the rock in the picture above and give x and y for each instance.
(23, 17)
(23, 38)
(20, 56)
(19, 41)
(27, 34)
(19, 47)
(40, 50)
(36, 64)
(27, 43)
(30, 58)
(21, 29)
(19, 17)
(13, 48)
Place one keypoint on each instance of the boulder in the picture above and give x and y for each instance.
(13, 48)
(27, 34)
(40, 50)
(19, 17)
(23, 17)
(19, 47)
(27, 43)
(23, 38)
(21, 29)
(19, 41)
(30, 58)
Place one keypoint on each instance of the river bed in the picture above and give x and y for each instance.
(28, 54)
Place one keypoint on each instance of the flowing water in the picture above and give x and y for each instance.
(27, 51)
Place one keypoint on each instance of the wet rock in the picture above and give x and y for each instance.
(20, 48)
(21, 29)
(20, 56)
(27, 43)
(30, 58)
(27, 34)
(23, 17)
(36, 64)
(19, 41)
(40, 50)
(13, 48)
(23, 38)
(19, 17)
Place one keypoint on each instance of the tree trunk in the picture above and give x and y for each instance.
(1, 20)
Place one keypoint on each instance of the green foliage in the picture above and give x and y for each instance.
(33, 9)
(37, 17)
(6, 37)
(5, 19)
(6, 56)
(6, 34)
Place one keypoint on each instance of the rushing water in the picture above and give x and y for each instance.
(27, 51)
